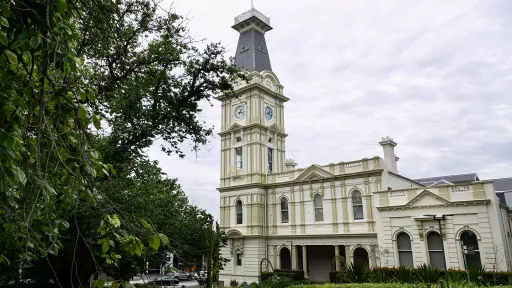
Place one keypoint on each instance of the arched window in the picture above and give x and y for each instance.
(470, 245)
(239, 212)
(403, 245)
(285, 259)
(435, 250)
(357, 205)
(284, 210)
(361, 257)
(319, 210)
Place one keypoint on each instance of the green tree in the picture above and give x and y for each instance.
(67, 65)
(216, 239)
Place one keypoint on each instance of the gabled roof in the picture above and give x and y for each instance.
(313, 172)
(455, 179)
(427, 198)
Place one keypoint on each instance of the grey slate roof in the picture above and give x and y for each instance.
(455, 179)
(502, 185)
(252, 52)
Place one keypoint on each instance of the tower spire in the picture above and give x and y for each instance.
(252, 53)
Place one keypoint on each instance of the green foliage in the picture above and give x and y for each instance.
(428, 274)
(278, 282)
(404, 275)
(215, 240)
(336, 276)
(357, 273)
(266, 275)
(296, 275)
(63, 204)
(233, 283)
(379, 285)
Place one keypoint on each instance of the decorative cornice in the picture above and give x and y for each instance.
(449, 204)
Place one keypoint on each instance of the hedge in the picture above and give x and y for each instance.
(296, 275)
(501, 278)
(381, 285)
(336, 276)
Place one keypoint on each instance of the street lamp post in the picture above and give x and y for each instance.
(443, 217)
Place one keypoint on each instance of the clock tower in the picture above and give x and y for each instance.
(252, 126)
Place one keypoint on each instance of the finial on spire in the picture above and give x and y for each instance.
(252, 4)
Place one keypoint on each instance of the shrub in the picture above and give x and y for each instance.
(336, 276)
(278, 282)
(428, 274)
(297, 275)
(404, 275)
(357, 273)
(266, 275)
(233, 283)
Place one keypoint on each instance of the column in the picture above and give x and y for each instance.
(337, 257)
(305, 261)
(348, 257)
(294, 257)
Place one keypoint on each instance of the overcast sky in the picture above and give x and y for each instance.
(434, 75)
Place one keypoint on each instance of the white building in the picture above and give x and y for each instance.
(362, 209)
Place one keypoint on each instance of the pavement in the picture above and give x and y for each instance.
(191, 284)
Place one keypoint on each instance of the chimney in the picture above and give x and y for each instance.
(290, 164)
(388, 145)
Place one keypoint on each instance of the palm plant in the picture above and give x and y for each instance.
(357, 273)
(404, 275)
(428, 274)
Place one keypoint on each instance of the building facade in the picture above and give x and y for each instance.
(322, 217)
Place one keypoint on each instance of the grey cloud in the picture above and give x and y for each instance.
(435, 75)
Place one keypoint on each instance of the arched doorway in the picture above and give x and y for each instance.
(285, 259)
(470, 244)
(361, 257)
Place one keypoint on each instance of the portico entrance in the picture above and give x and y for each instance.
(320, 260)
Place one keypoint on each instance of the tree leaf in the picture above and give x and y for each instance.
(82, 94)
(13, 58)
(154, 241)
(49, 188)
(164, 238)
(99, 284)
(3, 62)
(81, 112)
(35, 41)
(4, 21)
(21, 176)
(3, 39)
(115, 221)
(105, 247)
(96, 122)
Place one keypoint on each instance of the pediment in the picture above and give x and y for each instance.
(314, 172)
(234, 127)
(274, 127)
(427, 198)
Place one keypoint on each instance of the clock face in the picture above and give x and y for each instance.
(268, 113)
(239, 112)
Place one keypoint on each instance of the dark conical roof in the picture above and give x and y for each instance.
(251, 52)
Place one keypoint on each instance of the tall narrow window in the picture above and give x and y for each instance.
(239, 212)
(470, 245)
(403, 243)
(357, 205)
(435, 250)
(238, 153)
(238, 259)
(270, 156)
(319, 209)
(284, 210)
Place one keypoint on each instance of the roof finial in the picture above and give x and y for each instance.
(252, 4)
